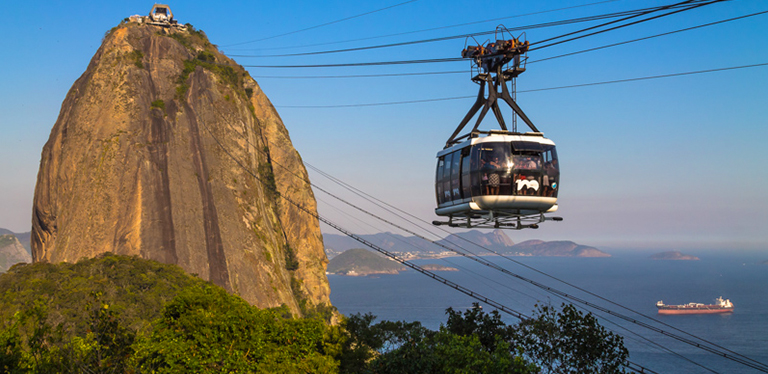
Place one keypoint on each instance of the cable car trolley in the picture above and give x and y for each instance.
(497, 178)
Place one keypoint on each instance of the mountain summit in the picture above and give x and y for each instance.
(167, 149)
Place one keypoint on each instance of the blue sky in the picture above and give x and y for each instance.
(676, 163)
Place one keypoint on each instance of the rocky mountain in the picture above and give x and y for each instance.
(11, 252)
(497, 241)
(673, 255)
(167, 149)
(23, 238)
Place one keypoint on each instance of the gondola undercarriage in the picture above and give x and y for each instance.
(496, 220)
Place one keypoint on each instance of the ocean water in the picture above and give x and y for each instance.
(630, 280)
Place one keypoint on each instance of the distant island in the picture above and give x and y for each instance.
(362, 262)
(475, 241)
(674, 255)
(436, 267)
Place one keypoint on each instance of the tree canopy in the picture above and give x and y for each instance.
(119, 314)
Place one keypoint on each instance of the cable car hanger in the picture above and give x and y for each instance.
(491, 59)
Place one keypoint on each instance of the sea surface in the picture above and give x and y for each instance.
(628, 279)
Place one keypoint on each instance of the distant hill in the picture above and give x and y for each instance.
(360, 261)
(385, 240)
(23, 238)
(412, 246)
(12, 252)
(557, 249)
(673, 255)
(497, 241)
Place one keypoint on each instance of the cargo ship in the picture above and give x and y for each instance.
(720, 306)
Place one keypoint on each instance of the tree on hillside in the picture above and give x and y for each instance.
(473, 341)
(570, 341)
(408, 347)
(207, 330)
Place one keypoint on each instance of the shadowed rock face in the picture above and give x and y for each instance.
(165, 149)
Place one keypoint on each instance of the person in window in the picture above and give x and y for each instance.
(553, 173)
(495, 163)
(493, 177)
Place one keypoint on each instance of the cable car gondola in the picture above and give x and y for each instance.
(497, 178)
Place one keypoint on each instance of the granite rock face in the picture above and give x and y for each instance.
(166, 149)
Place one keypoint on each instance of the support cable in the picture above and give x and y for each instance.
(454, 59)
(529, 62)
(475, 295)
(493, 265)
(634, 13)
(620, 26)
(436, 28)
(467, 254)
(324, 24)
(529, 90)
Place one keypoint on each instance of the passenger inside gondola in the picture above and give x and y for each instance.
(494, 178)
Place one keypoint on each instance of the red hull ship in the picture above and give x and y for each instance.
(721, 306)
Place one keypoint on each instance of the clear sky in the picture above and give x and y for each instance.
(676, 163)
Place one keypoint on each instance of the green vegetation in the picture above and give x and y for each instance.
(568, 341)
(209, 331)
(160, 104)
(142, 316)
(477, 342)
(291, 262)
(199, 34)
(137, 56)
(137, 289)
(361, 262)
(206, 56)
(470, 343)
(194, 40)
(249, 92)
(226, 73)
(267, 178)
(7, 239)
(119, 314)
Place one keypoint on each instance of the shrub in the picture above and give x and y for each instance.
(291, 262)
(137, 56)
